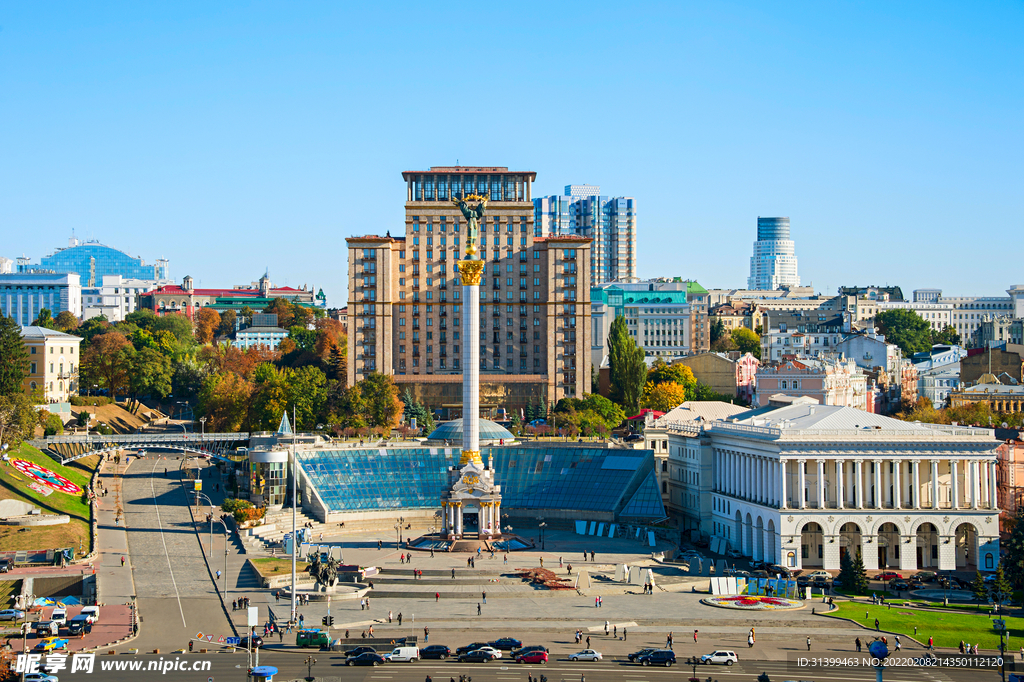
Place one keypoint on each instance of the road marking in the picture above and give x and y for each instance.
(163, 540)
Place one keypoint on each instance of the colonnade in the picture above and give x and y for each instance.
(453, 510)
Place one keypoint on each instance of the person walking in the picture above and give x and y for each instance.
(750, 641)
(506, 559)
(478, 608)
(426, 634)
(362, 604)
(484, 595)
(595, 602)
(218, 574)
(899, 645)
(399, 619)
(876, 624)
(623, 634)
(668, 641)
(389, 615)
(694, 636)
(122, 561)
(931, 646)
(606, 624)
(437, 597)
(453, 574)
(808, 643)
(588, 641)
(858, 645)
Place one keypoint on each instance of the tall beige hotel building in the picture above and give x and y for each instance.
(404, 296)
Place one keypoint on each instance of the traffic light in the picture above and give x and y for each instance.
(330, 620)
(324, 620)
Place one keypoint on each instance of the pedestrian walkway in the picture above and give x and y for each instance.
(115, 583)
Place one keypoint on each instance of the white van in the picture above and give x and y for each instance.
(404, 654)
(93, 612)
(59, 616)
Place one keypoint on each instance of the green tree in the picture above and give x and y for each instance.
(18, 419)
(337, 363)
(717, 329)
(283, 309)
(308, 393)
(627, 369)
(45, 319)
(381, 395)
(852, 574)
(224, 400)
(52, 425)
(228, 319)
(1014, 559)
(304, 338)
(747, 341)
(13, 357)
(178, 325)
(143, 318)
(270, 397)
(979, 589)
(246, 314)
(948, 335)
(150, 373)
(91, 328)
(107, 362)
(1001, 588)
(66, 322)
(906, 329)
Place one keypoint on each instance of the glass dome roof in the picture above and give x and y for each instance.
(489, 431)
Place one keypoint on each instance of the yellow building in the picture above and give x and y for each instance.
(53, 360)
(989, 389)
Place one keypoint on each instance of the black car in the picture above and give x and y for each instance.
(759, 565)
(359, 651)
(476, 656)
(5, 565)
(367, 658)
(435, 651)
(803, 581)
(79, 627)
(471, 647)
(899, 585)
(257, 642)
(506, 643)
(516, 653)
(633, 437)
(637, 654)
(663, 657)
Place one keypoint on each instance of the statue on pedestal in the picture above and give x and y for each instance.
(473, 215)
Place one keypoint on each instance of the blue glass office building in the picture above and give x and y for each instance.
(580, 482)
(92, 260)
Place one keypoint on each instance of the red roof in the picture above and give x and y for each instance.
(176, 290)
(645, 412)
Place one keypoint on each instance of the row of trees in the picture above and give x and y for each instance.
(975, 414)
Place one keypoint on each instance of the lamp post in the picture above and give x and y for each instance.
(693, 661)
(202, 422)
(198, 495)
(310, 662)
(227, 536)
(542, 526)
(398, 535)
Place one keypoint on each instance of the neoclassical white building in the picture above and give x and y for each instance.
(802, 484)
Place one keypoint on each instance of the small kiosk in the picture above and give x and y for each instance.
(264, 673)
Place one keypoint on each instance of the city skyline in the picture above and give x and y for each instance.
(231, 131)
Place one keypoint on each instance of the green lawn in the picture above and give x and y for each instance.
(947, 628)
(14, 485)
(270, 567)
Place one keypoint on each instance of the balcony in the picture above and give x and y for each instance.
(443, 313)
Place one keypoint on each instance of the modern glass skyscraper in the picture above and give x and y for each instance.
(773, 264)
(609, 221)
(92, 260)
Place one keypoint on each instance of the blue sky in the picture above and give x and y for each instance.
(233, 137)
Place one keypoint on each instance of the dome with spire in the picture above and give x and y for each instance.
(491, 433)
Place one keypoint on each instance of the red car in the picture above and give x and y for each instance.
(886, 576)
(533, 657)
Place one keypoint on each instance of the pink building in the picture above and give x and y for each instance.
(746, 377)
(1009, 479)
(829, 381)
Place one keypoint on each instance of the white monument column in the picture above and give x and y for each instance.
(470, 271)
(974, 483)
(915, 501)
(878, 483)
(820, 483)
(896, 497)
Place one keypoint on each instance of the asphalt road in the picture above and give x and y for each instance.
(331, 667)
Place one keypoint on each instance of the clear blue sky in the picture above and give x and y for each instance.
(233, 137)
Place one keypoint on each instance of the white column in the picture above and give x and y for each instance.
(747, 477)
(840, 492)
(784, 500)
(974, 483)
(935, 484)
(858, 471)
(821, 484)
(878, 483)
(896, 497)
(992, 485)
(955, 482)
(802, 463)
(470, 365)
(762, 480)
(733, 473)
(915, 499)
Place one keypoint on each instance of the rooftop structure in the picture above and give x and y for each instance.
(92, 261)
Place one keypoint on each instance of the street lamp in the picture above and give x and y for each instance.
(310, 662)
(398, 535)
(542, 526)
(202, 422)
(198, 495)
(693, 661)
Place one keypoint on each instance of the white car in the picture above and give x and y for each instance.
(815, 574)
(720, 658)
(496, 653)
(40, 677)
(734, 553)
(586, 655)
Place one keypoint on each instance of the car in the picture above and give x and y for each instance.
(837, 583)
(359, 651)
(495, 653)
(59, 616)
(803, 581)
(12, 614)
(5, 565)
(476, 656)
(45, 628)
(79, 625)
(823, 574)
(403, 654)
(257, 642)
(759, 565)
(471, 647)
(761, 574)
(886, 576)
(775, 569)
(367, 658)
(527, 649)
(92, 611)
(721, 657)
(39, 677)
(737, 573)
(990, 578)
(435, 651)
(533, 657)
(926, 576)
(586, 655)
(52, 644)
(665, 657)
(507, 643)
(637, 654)
(820, 581)
(633, 438)
(899, 585)
(733, 553)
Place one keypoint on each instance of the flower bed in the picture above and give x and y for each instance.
(753, 603)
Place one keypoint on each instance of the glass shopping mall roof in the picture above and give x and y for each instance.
(531, 478)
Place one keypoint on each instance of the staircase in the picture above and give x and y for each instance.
(277, 523)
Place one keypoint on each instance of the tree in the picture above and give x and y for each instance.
(664, 397)
(906, 329)
(246, 314)
(18, 419)
(143, 318)
(337, 363)
(228, 320)
(178, 325)
(1014, 559)
(283, 309)
(45, 319)
(627, 370)
(308, 394)
(13, 357)
(66, 322)
(52, 425)
(270, 397)
(747, 341)
(1001, 588)
(723, 345)
(107, 362)
(383, 406)
(301, 316)
(852, 574)
(680, 374)
(717, 329)
(150, 374)
(305, 339)
(224, 400)
(207, 323)
(979, 589)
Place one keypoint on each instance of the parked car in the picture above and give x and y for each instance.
(733, 553)
(52, 644)
(775, 569)
(439, 651)
(637, 654)
(59, 616)
(527, 649)
(12, 614)
(311, 638)
(495, 653)
(257, 642)
(507, 643)
(471, 647)
(45, 628)
(93, 612)
(633, 438)
(759, 565)
(737, 573)
(5, 565)
(79, 625)
(824, 574)
(476, 656)
(899, 585)
(886, 576)
(533, 657)
(664, 657)
(926, 576)
(403, 654)
(721, 657)
(40, 677)
(359, 651)
(368, 658)
(586, 655)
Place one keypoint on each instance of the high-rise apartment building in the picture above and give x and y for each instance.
(23, 295)
(609, 221)
(773, 264)
(404, 304)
